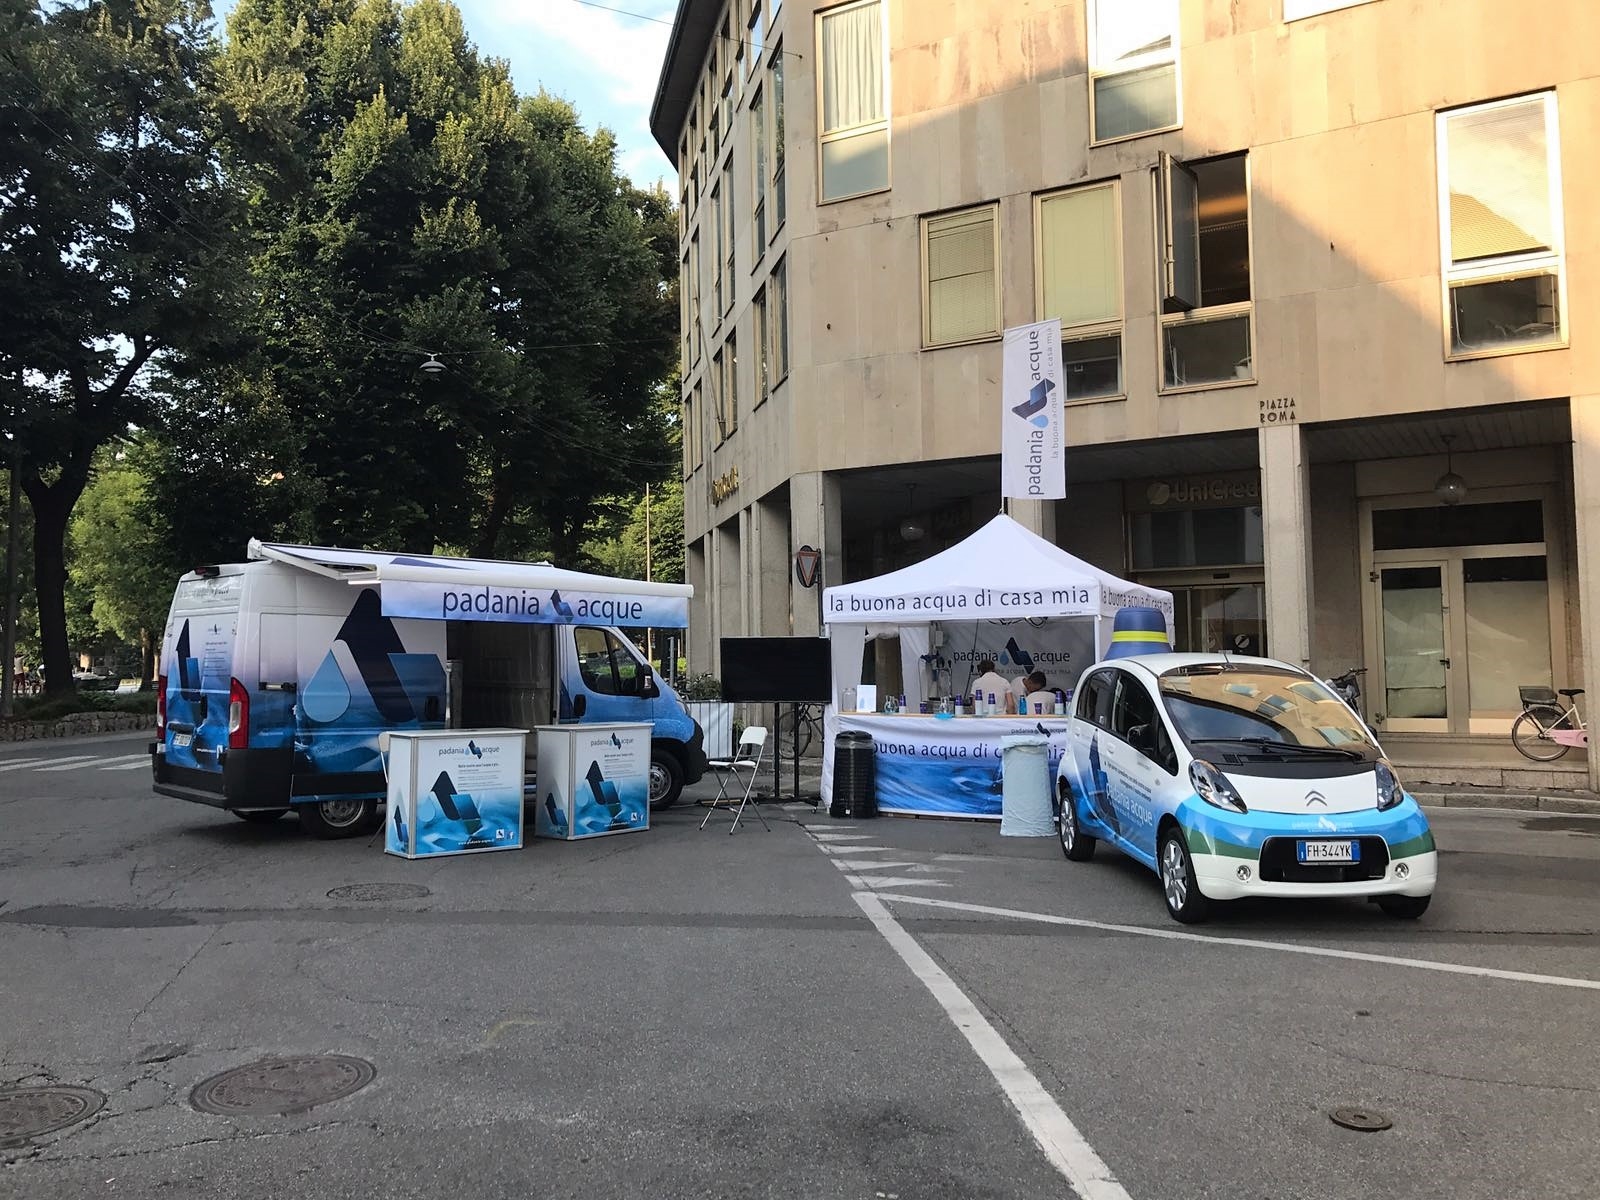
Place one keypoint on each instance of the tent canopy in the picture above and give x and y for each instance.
(1002, 571)
(471, 589)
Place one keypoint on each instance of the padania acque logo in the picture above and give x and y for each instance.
(1032, 409)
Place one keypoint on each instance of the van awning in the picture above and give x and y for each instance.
(430, 587)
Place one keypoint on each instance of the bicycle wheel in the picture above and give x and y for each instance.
(1530, 739)
(786, 731)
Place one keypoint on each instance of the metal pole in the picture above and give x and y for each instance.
(649, 634)
(14, 513)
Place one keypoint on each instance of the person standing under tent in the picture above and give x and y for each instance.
(1040, 698)
(991, 681)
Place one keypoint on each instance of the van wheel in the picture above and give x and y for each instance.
(666, 780)
(261, 816)
(340, 818)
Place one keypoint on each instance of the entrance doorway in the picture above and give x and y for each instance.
(1460, 614)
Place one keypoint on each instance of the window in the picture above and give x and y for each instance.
(726, 369)
(1174, 538)
(606, 665)
(1094, 697)
(756, 33)
(1133, 67)
(725, 56)
(685, 313)
(1293, 10)
(763, 336)
(778, 314)
(777, 138)
(717, 250)
(960, 253)
(1079, 240)
(777, 7)
(696, 313)
(692, 446)
(854, 122)
(1204, 212)
(725, 235)
(1500, 206)
(758, 177)
(1134, 720)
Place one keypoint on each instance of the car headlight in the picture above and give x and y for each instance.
(1390, 792)
(1212, 786)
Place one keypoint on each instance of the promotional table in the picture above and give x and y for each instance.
(454, 791)
(942, 766)
(594, 780)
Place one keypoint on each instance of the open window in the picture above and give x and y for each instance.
(1500, 205)
(1203, 211)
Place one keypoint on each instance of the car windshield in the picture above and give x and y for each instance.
(1262, 710)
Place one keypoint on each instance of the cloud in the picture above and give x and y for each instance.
(623, 53)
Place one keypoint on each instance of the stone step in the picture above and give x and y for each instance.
(1553, 801)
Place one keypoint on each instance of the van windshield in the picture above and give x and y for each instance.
(1262, 711)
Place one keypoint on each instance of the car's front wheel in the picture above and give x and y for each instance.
(1178, 885)
(1404, 908)
(666, 780)
(1075, 844)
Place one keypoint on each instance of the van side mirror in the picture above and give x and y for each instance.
(580, 705)
(648, 688)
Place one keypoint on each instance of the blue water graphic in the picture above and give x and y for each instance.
(327, 696)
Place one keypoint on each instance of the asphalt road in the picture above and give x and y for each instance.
(687, 1014)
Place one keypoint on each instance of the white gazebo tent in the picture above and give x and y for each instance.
(1002, 571)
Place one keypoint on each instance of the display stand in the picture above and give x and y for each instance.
(594, 780)
(454, 791)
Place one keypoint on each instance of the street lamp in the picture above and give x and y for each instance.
(431, 365)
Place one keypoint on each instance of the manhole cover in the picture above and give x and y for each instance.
(282, 1085)
(28, 1112)
(1363, 1120)
(379, 891)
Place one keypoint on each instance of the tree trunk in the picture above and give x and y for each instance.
(52, 508)
(495, 520)
(147, 656)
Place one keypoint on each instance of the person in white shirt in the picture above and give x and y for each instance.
(1039, 698)
(991, 681)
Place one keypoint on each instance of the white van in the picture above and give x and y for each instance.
(279, 674)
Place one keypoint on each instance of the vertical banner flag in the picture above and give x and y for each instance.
(1033, 452)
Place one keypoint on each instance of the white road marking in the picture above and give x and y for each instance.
(1422, 964)
(18, 764)
(70, 764)
(134, 759)
(878, 882)
(1057, 1136)
(842, 837)
(143, 761)
(856, 864)
(858, 849)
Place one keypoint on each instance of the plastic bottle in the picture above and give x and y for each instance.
(993, 707)
(903, 702)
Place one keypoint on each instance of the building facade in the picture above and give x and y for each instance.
(1330, 319)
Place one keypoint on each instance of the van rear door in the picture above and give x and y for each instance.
(196, 679)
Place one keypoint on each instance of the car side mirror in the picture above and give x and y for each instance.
(647, 682)
(580, 705)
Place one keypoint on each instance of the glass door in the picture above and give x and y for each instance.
(1414, 657)
(1505, 602)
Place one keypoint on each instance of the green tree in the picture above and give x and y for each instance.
(120, 554)
(405, 202)
(113, 247)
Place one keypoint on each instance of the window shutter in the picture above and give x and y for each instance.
(1499, 181)
(1080, 257)
(961, 277)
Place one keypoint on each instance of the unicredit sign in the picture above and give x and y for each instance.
(1197, 492)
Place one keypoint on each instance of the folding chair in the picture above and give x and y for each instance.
(752, 748)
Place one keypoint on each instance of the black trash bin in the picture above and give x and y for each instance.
(855, 776)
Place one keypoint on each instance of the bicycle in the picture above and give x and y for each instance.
(799, 725)
(1348, 687)
(1546, 730)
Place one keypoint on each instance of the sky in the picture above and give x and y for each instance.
(605, 63)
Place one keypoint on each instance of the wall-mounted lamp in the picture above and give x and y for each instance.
(1449, 487)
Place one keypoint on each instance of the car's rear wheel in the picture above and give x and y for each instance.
(261, 816)
(1178, 886)
(666, 780)
(1529, 739)
(1075, 844)
(1404, 908)
(340, 818)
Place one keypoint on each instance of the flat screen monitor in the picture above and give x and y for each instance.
(759, 670)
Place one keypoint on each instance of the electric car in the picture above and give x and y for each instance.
(1233, 777)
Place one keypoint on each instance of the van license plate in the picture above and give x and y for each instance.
(1329, 852)
(182, 740)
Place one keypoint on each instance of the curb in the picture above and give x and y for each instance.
(1514, 801)
(76, 725)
